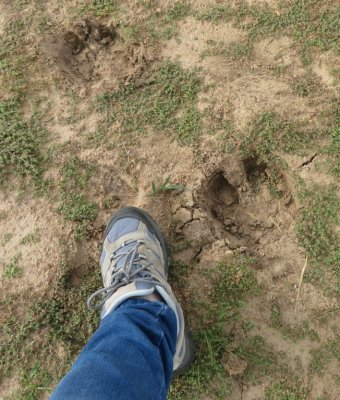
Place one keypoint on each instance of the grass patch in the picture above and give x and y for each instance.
(75, 175)
(12, 60)
(299, 332)
(316, 233)
(270, 134)
(216, 12)
(6, 238)
(306, 85)
(309, 25)
(166, 101)
(324, 355)
(287, 391)
(99, 8)
(178, 11)
(332, 150)
(12, 269)
(156, 23)
(20, 142)
(236, 51)
(315, 227)
(31, 238)
(62, 320)
(232, 282)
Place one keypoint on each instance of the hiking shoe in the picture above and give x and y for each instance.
(135, 258)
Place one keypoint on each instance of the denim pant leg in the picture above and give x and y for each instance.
(129, 357)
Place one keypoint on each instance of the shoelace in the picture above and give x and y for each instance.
(130, 272)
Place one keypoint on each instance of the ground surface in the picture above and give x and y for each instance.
(221, 118)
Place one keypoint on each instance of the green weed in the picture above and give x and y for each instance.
(268, 135)
(235, 50)
(216, 12)
(315, 231)
(308, 84)
(287, 391)
(177, 11)
(112, 201)
(60, 320)
(99, 8)
(156, 102)
(12, 269)
(33, 237)
(12, 60)
(332, 150)
(163, 26)
(34, 382)
(324, 355)
(315, 226)
(20, 142)
(299, 332)
(6, 238)
(74, 206)
(232, 282)
(166, 186)
(303, 20)
(261, 360)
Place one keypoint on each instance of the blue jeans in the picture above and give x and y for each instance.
(129, 357)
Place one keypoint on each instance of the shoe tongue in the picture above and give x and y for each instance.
(124, 249)
(127, 259)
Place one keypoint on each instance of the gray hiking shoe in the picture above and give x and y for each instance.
(135, 258)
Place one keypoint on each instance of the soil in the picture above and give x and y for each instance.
(226, 208)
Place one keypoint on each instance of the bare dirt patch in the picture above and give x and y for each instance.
(325, 67)
(192, 40)
(31, 232)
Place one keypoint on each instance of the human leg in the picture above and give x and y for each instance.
(134, 264)
(129, 357)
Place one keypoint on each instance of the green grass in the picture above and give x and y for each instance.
(287, 391)
(156, 102)
(12, 269)
(211, 322)
(299, 332)
(332, 149)
(20, 142)
(165, 186)
(216, 12)
(13, 61)
(178, 11)
(322, 356)
(236, 51)
(75, 175)
(307, 85)
(154, 24)
(271, 133)
(30, 238)
(6, 238)
(98, 8)
(62, 320)
(315, 227)
(268, 136)
(309, 25)
(316, 233)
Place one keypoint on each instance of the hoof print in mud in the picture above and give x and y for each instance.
(219, 196)
(75, 51)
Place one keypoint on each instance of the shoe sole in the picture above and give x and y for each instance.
(189, 354)
(134, 212)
